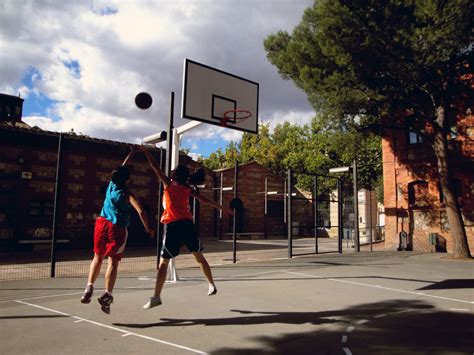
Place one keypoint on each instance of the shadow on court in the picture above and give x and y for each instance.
(318, 305)
(391, 327)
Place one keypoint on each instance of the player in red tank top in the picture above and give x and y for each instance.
(178, 221)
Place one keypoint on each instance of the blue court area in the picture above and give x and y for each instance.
(355, 303)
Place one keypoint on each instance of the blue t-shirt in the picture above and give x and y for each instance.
(116, 206)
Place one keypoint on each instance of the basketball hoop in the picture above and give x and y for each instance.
(235, 116)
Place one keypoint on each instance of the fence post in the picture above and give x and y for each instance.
(339, 215)
(55, 213)
(356, 207)
(159, 236)
(288, 215)
(234, 230)
(315, 197)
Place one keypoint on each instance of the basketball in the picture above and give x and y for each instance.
(143, 100)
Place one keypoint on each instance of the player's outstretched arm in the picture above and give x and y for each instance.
(209, 202)
(129, 156)
(142, 214)
(155, 167)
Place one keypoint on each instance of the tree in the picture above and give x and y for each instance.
(366, 62)
(310, 148)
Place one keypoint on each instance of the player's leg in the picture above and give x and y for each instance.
(155, 300)
(169, 250)
(100, 237)
(95, 267)
(206, 269)
(110, 277)
(94, 271)
(111, 274)
(115, 246)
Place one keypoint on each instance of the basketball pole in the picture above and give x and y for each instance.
(172, 275)
(173, 138)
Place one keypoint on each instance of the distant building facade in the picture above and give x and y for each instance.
(413, 203)
(29, 167)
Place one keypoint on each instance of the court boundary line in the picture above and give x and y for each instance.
(130, 287)
(124, 332)
(380, 287)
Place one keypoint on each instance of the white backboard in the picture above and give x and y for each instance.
(209, 92)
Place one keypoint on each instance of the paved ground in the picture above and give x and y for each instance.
(365, 303)
(36, 264)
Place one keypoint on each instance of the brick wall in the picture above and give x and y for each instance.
(27, 203)
(405, 165)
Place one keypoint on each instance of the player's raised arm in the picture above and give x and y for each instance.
(142, 214)
(155, 167)
(205, 200)
(129, 156)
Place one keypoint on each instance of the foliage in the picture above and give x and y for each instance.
(307, 149)
(378, 64)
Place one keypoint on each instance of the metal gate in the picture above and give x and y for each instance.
(314, 217)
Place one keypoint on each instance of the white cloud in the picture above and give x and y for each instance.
(294, 117)
(93, 57)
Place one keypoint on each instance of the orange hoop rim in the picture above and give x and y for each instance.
(225, 119)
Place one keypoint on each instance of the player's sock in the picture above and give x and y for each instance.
(212, 290)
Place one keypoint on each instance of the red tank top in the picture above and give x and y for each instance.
(176, 203)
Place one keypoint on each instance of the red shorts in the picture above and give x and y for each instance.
(109, 239)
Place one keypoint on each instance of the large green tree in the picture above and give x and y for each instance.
(309, 148)
(366, 62)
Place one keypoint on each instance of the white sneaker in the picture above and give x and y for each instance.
(212, 290)
(152, 302)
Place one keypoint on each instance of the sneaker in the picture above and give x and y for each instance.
(212, 290)
(105, 300)
(86, 297)
(152, 302)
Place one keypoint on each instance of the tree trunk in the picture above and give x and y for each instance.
(453, 211)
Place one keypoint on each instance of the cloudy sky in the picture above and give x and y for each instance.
(79, 64)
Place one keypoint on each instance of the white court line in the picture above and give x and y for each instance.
(39, 297)
(344, 339)
(384, 288)
(403, 291)
(362, 321)
(459, 309)
(404, 311)
(350, 329)
(129, 287)
(347, 351)
(300, 274)
(113, 328)
(380, 315)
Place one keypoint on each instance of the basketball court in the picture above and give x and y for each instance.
(361, 303)
(369, 302)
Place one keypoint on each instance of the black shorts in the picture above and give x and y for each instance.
(177, 234)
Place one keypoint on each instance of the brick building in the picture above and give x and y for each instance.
(252, 217)
(412, 199)
(29, 166)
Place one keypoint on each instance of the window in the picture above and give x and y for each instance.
(418, 196)
(41, 208)
(414, 138)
